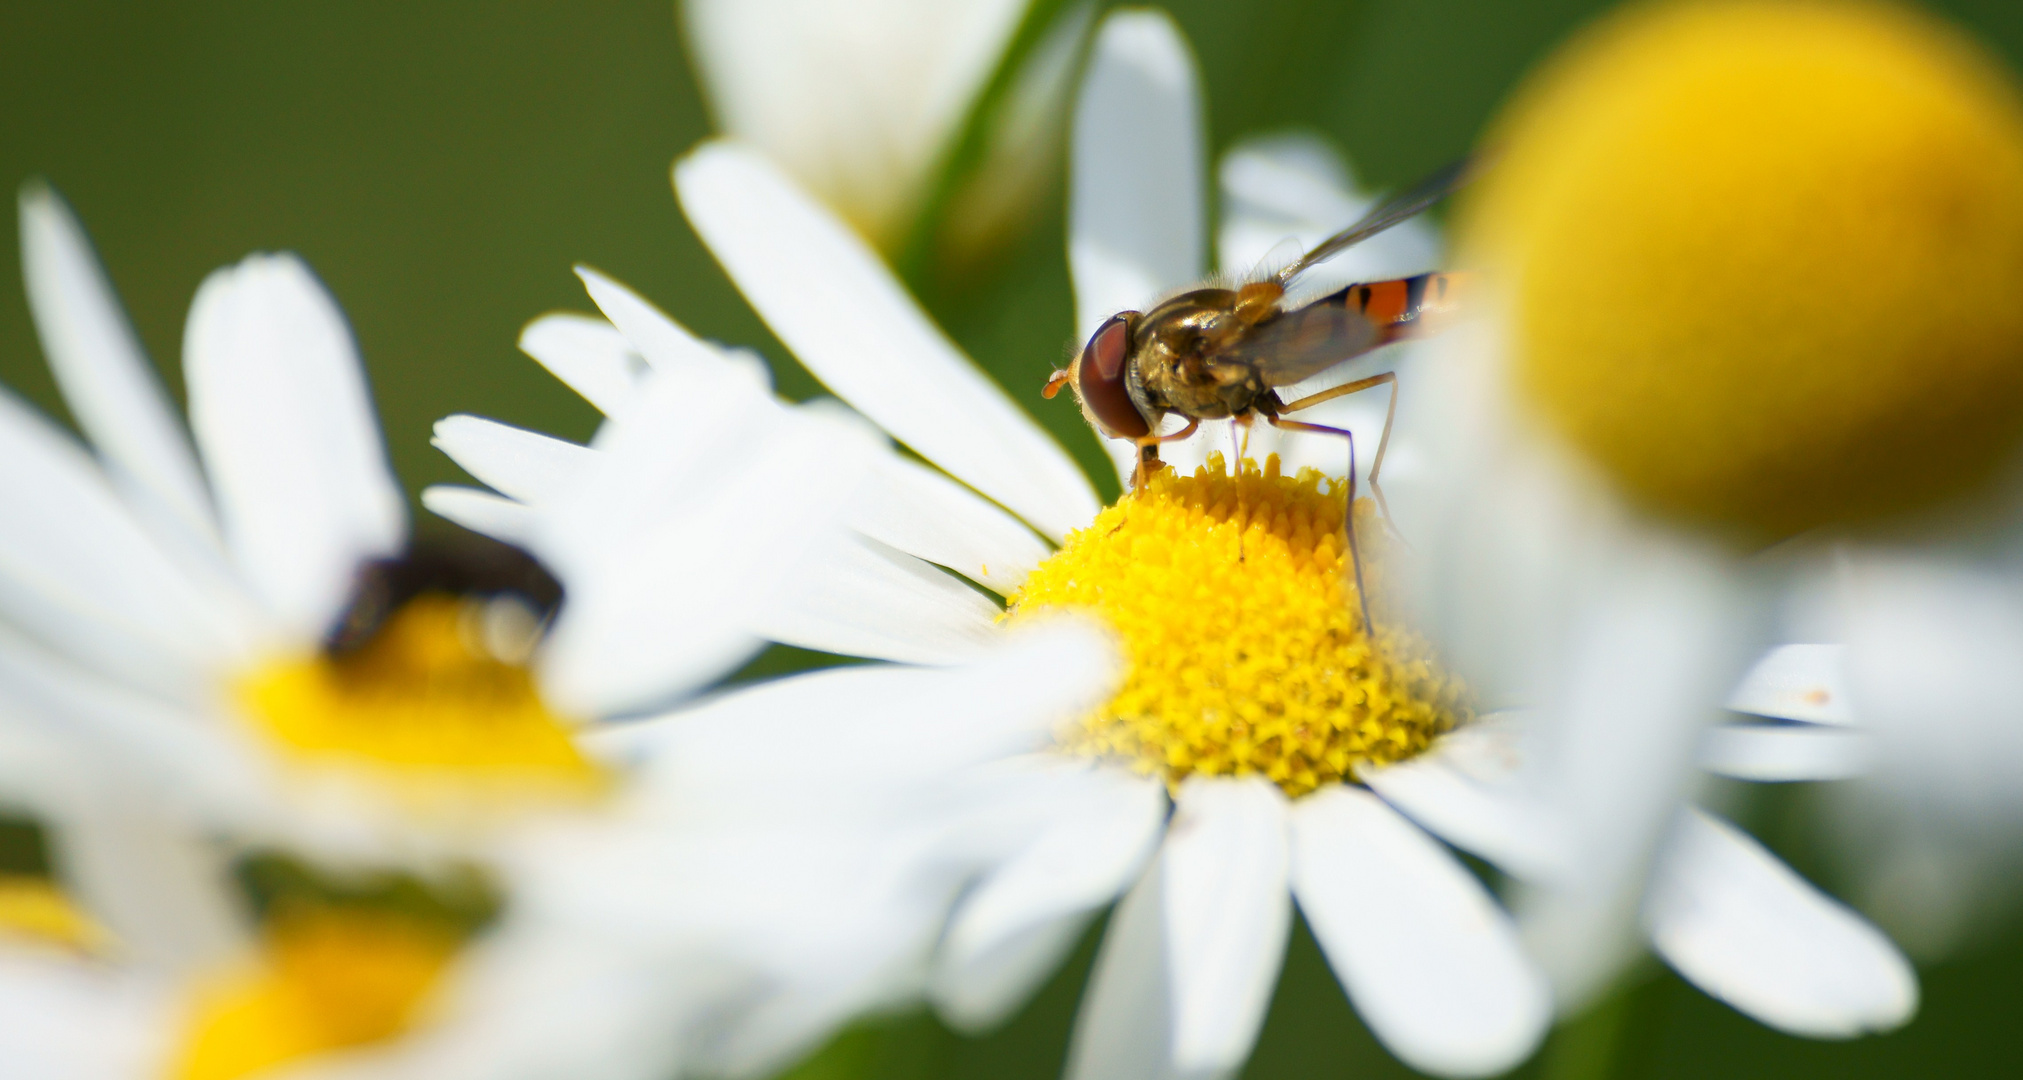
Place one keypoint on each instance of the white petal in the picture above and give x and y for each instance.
(1018, 924)
(1932, 648)
(925, 514)
(1466, 791)
(857, 101)
(1665, 632)
(1743, 927)
(518, 463)
(588, 354)
(105, 376)
(285, 423)
(61, 1019)
(857, 597)
(878, 730)
(1787, 752)
(482, 512)
(1797, 682)
(846, 318)
(79, 573)
(1137, 202)
(667, 345)
(1227, 914)
(1431, 961)
(1124, 1029)
(677, 541)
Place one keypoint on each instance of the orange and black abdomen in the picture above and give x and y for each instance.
(1402, 307)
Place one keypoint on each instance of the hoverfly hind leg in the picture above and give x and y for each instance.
(1349, 512)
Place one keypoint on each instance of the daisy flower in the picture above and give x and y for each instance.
(1649, 477)
(246, 649)
(1258, 751)
(893, 109)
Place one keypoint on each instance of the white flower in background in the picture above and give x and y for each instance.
(1650, 476)
(1261, 814)
(865, 103)
(243, 653)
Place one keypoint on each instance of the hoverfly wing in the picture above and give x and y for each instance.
(1344, 324)
(1395, 210)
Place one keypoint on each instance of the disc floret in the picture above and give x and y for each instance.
(1241, 629)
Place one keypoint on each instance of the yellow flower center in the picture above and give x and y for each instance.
(325, 979)
(1762, 259)
(428, 702)
(35, 910)
(1243, 633)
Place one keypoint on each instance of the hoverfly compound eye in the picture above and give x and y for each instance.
(1100, 379)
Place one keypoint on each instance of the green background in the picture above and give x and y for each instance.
(443, 164)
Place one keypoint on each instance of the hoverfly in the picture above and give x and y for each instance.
(1219, 353)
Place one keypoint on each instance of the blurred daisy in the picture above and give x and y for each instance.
(246, 652)
(243, 629)
(1216, 784)
(886, 109)
(1649, 470)
(330, 971)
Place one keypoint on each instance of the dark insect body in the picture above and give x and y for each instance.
(1215, 353)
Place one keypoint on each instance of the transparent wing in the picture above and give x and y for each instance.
(1348, 322)
(1392, 211)
(1305, 341)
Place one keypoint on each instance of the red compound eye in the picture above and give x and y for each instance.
(1100, 379)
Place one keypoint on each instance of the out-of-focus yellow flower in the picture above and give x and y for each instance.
(1765, 259)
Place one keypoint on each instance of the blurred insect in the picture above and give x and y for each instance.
(1216, 353)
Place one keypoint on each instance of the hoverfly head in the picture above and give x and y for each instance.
(1100, 377)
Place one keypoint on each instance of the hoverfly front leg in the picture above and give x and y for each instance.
(1148, 451)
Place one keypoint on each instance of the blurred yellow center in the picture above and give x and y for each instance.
(424, 699)
(34, 910)
(1764, 260)
(1242, 633)
(324, 980)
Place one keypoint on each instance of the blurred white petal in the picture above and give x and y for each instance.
(1661, 635)
(104, 374)
(1017, 924)
(515, 462)
(1137, 198)
(1787, 752)
(1742, 926)
(588, 354)
(664, 343)
(1430, 960)
(857, 101)
(846, 318)
(78, 572)
(281, 413)
(685, 528)
(1797, 682)
(482, 512)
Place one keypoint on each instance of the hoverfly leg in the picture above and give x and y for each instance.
(1355, 551)
(1383, 441)
(1148, 451)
